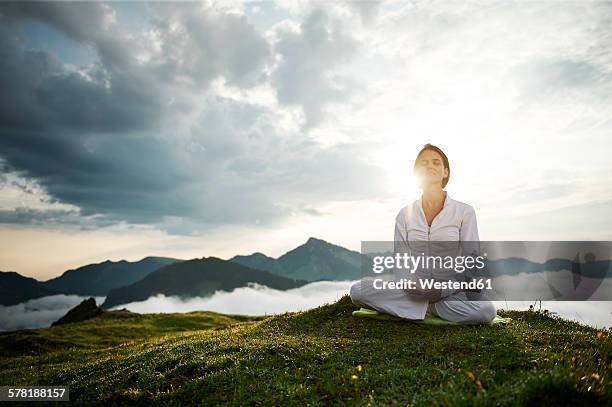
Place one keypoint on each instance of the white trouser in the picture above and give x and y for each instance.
(455, 308)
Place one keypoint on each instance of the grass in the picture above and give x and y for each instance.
(319, 357)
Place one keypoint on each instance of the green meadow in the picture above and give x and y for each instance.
(319, 357)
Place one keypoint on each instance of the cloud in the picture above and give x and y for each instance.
(547, 190)
(85, 21)
(200, 43)
(260, 300)
(368, 10)
(253, 300)
(40, 312)
(304, 75)
(42, 93)
(557, 223)
(194, 117)
(561, 80)
(173, 126)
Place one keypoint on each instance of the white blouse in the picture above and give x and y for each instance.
(455, 222)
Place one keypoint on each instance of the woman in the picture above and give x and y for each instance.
(436, 217)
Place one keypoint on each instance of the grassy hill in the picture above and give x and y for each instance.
(313, 358)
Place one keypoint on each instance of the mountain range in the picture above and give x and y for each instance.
(314, 260)
(100, 278)
(93, 279)
(197, 278)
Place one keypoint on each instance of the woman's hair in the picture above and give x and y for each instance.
(444, 160)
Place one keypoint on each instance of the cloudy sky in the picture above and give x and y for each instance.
(196, 129)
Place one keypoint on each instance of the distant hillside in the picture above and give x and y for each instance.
(314, 260)
(197, 278)
(100, 278)
(321, 357)
(15, 288)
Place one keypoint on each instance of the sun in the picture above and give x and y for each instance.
(397, 162)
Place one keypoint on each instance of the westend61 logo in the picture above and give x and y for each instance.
(503, 270)
(413, 263)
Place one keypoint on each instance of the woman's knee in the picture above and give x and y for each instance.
(355, 293)
(486, 311)
(472, 312)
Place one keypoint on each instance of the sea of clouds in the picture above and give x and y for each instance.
(255, 299)
(260, 300)
(40, 312)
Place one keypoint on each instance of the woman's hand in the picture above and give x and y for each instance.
(431, 294)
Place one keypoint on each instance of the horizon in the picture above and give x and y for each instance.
(227, 258)
(530, 258)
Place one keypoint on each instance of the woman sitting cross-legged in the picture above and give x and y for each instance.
(434, 217)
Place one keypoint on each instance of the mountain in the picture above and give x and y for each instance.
(314, 260)
(197, 278)
(99, 278)
(15, 288)
(259, 261)
(87, 309)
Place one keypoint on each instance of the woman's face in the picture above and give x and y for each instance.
(430, 169)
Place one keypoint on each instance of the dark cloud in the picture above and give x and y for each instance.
(39, 92)
(82, 21)
(119, 93)
(41, 217)
(150, 143)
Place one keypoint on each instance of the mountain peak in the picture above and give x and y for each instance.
(156, 258)
(313, 240)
